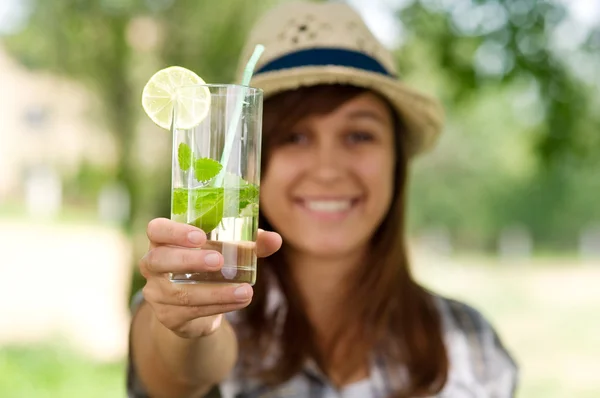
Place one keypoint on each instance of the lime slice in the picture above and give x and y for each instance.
(160, 95)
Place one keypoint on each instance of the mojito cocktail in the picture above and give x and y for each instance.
(216, 175)
(216, 131)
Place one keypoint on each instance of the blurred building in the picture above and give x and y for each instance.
(47, 128)
(77, 275)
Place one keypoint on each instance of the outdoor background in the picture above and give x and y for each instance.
(504, 213)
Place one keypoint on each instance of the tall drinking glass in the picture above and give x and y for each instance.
(216, 176)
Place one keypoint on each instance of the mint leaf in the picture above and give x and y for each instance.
(179, 201)
(232, 202)
(208, 208)
(249, 195)
(184, 156)
(211, 204)
(233, 181)
(206, 168)
(237, 199)
(246, 194)
(208, 193)
(250, 211)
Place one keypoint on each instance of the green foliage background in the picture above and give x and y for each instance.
(521, 144)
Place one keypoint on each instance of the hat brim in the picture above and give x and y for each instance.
(422, 115)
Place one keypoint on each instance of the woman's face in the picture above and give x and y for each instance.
(329, 181)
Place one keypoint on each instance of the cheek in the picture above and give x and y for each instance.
(270, 180)
(378, 173)
(276, 178)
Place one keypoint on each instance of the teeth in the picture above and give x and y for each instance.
(331, 206)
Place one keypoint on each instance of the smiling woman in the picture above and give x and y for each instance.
(336, 168)
(329, 156)
(335, 312)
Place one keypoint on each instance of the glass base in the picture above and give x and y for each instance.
(239, 264)
(227, 274)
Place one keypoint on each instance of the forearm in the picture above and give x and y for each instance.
(171, 366)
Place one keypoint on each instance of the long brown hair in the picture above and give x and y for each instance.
(388, 311)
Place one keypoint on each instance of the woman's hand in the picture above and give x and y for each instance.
(191, 310)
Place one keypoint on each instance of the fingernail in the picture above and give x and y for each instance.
(212, 260)
(241, 293)
(195, 237)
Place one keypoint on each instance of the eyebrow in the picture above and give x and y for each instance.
(367, 114)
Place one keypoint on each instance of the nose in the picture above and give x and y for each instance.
(327, 161)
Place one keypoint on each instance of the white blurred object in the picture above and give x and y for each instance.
(380, 17)
(515, 243)
(72, 284)
(144, 33)
(43, 193)
(589, 242)
(114, 203)
(436, 241)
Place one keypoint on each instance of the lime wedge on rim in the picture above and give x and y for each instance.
(160, 94)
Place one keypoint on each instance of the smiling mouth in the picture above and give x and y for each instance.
(328, 206)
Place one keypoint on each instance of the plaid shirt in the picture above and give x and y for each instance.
(480, 366)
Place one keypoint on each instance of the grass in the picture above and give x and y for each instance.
(48, 371)
(546, 314)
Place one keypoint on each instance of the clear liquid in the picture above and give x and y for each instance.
(235, 239)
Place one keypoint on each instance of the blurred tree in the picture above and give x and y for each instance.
(480, 43)
(519, 81)
(86, 40)
(522, 121)
(93, 41)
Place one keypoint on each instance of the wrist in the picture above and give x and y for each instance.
(172, 350)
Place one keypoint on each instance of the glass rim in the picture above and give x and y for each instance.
(253, 90)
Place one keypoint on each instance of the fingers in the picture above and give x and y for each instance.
(267, 243)
(166, 259)
(162, 291)
(162, 231)
(179, 318)
(196, 327)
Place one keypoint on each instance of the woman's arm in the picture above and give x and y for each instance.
(171, 366)
(180, 345)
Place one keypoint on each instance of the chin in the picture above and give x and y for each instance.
(326, 246)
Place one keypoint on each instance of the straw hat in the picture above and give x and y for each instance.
(310, 43)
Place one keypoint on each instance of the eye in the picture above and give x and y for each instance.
(295, 138)
(357, 137)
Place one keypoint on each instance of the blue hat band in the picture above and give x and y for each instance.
(325, 57)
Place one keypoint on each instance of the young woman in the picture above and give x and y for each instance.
(335, 312)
